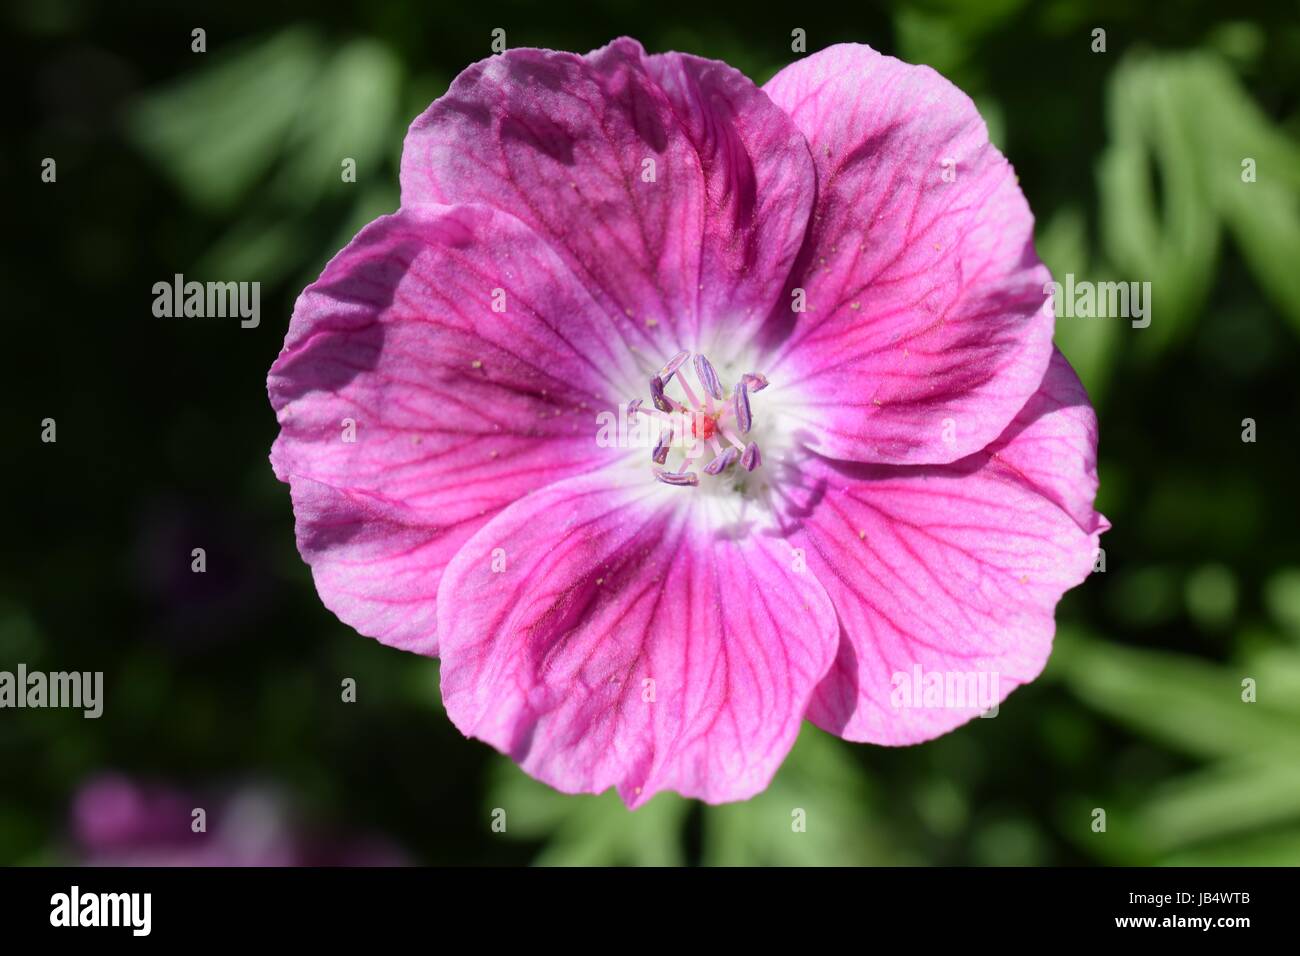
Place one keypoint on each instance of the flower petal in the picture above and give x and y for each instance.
(670, 185)
(411, 412)
(925, 330)
(1052, 444)
(951, 570)
(625, 646)
(759, 185)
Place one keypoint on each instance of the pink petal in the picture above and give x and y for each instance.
(610, 583)
(955, 569)
(458, 410)
(563, 142)
(1052, 444)
(925, 330)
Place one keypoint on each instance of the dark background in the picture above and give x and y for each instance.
(225, 165)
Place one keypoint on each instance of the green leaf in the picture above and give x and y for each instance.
(943, 33)
(1276, 670)
(1266, 224)
(1239, 143)
(588, 830)
(1169, 238)
(349, 114)
(1274, 848)
(1253, 783)
(818, 787)
(219, 130)
(1180, 701)
(1228, 798)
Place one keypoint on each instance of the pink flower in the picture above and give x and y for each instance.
(884, 473)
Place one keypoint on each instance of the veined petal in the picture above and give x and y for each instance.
(925, 330)
(1052, 444)
(671, 186)
(759, 184)
(951, 573)
(623, 646)
(411, 411)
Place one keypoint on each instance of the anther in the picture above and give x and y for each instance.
(722, 462)
(708, 376)
(677, 478)
(668, 371)
(660, 454)
(707, 422)
(744, 419)
(657, 395)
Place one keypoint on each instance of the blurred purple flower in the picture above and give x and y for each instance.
(117, 821)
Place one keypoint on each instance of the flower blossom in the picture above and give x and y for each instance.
(873, 468)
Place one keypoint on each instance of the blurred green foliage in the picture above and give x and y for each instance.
(227, 163)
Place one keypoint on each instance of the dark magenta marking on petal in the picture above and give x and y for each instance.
(752, 458)
(708, 377)
(657, 395)
(683, 478)
(668, 371)
(744, 418)
(660, 454)
(722, 462)
(755, 381)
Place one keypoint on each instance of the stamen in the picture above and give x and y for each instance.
(730, 436)
(722, 462)
(744, 419)
(666, 373)
(657, 395)
(683, 479)
(699, 423)
(660, 454)
(708, 376)
(692, 401)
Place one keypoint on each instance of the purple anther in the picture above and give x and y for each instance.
(754, 381)
(657, 395)
(660, 454)
(633, 407)
(744, 419)
(751, 459)
(708, 376)
(668, 371)
(722, 462)
(683, 478)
